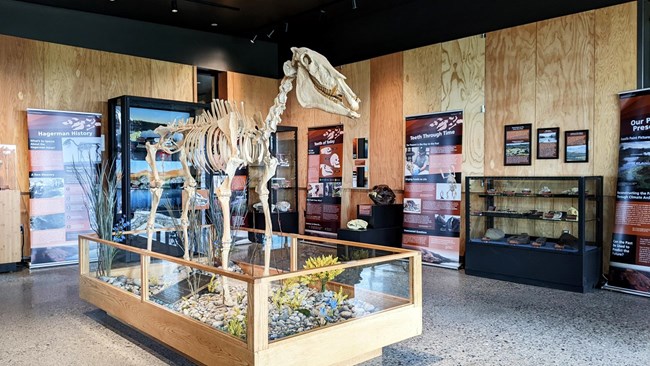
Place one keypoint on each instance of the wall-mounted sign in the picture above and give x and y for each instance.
(517, 144)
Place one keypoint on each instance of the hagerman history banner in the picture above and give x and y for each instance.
(629, 268)
(324, 181)
(432, 186)
(59, 141)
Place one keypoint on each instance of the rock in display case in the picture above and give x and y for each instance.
(283, 186)
(313, 309)
(544, 231)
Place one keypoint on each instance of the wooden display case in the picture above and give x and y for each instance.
(388, 287)
(283, 186)
(544, 231)
(10, 237)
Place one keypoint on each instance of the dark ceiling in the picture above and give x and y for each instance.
(344, 30)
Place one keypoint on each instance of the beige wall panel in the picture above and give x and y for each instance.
(386, 148)
(463, 84)
(509, 91)
(21, 87)
(358, 78)
(256, 92)
(124, 75)
(565, 84)
(172, 81)
(72, 78)
(422, 73)
(615, 71)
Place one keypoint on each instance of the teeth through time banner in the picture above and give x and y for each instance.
(432, 187)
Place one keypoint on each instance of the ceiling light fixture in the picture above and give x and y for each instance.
(174, 6)
(271, 33)
(354, 4)
(253, 39)
(286, 26)
(214, 24)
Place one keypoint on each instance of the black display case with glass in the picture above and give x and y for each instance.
(132, 121)
(544, 231)
(283, 186)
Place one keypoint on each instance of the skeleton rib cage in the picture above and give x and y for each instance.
(209, 144)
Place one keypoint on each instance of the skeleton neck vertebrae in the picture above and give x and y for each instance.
(225, 138)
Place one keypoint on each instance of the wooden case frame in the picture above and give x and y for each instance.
(338, 344)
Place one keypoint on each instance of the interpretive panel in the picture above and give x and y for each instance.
(629, 268)
(324, 181)
(432, 186)
(58, 142)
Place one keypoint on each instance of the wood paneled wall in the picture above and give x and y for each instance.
(36, 74)
(563, 72)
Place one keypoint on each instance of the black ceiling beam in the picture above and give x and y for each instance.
(137, 38)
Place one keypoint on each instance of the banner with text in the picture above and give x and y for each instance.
(432, 188)
(324, 181)
(57, 214)
(629, 268)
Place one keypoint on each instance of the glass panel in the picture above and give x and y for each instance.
(302, 303)
(200, 296)
(249, 255)
(543, 209)
(116, 267)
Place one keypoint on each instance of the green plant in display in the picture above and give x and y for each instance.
(212, 286)
(235, 326)
(99, 185)
(321, 277)
(340, 296)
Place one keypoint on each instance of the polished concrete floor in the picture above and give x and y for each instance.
(467, 321)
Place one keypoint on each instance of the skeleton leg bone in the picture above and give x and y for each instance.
(270, 165)
(224, 193)
(155, 187)
(189, 188)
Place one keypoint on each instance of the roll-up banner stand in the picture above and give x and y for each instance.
(432, 187)
(59, 140)
(324, 181)
(629, 268)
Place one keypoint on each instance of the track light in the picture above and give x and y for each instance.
(271, 33)
(253, 39)
(354, 4)
(174, 6)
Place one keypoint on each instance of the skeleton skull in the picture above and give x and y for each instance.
(320, 85)
(357, 224)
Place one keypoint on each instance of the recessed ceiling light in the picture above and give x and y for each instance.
(214, 24)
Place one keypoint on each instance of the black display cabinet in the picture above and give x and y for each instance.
(132, 121)
(283, 187)
(544, 231)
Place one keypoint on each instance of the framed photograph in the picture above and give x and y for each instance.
(548, 143)
(517, 144)
(576, 146)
